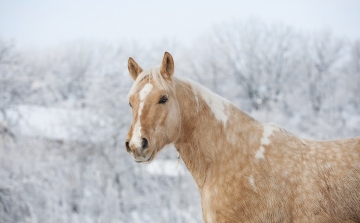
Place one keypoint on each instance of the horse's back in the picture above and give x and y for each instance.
(319, 180)
(336, 165)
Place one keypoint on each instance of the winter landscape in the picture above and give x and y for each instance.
(64, 116)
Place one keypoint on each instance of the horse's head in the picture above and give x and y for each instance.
(156, 114)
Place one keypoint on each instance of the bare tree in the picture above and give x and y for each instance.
(353, 69)
(324, 52)
(8, 86)
(262, 59)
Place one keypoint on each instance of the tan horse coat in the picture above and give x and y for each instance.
(246, 171)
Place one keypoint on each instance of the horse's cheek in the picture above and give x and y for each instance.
(160, 118)
(173, 121)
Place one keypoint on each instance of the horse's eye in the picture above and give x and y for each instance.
(163, 99)
(130, 104)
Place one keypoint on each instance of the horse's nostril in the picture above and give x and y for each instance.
(144, 143)
(127, 147)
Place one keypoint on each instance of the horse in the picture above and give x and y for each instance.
(245, 170)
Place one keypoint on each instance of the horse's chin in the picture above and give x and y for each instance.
(149, 157)
(147, 160)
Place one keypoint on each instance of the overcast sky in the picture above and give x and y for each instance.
(41, 23)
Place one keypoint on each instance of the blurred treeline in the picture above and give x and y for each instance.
(64, 116)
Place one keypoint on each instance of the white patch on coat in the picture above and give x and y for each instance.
(252, 181)
(268, 131)
(265, 140)
(136, 138)
(260, 153)
(216, 103)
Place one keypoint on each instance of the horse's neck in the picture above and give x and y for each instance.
(206, 130)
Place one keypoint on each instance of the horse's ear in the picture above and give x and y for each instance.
(134, 68)
(167, 66)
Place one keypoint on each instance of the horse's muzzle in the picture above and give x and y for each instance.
(140, 153)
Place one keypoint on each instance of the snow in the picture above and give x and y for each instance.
(68, 110)
(58, 123)
(165, 168)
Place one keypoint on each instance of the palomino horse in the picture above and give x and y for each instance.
(246, 171)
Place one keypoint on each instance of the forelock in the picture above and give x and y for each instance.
(154, 74)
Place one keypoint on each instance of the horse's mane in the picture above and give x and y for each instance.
(153, 73)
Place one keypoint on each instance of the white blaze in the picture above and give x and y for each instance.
(136, 136)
